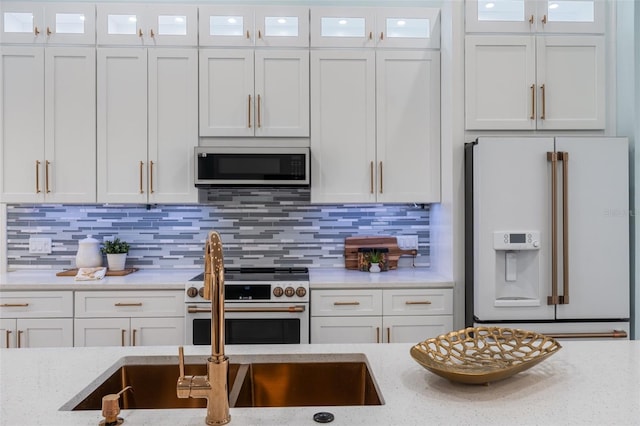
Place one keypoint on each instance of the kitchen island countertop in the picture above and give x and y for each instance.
(584, 383)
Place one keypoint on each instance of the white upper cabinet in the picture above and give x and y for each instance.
(269, 26)
(147, 25)
(375, 27)
(51, 23)
(543, 16)
(534, 82)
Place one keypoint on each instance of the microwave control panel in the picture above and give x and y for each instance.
(516, 240)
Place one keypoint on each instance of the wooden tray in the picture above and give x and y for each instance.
(74, 272)
(352, 244)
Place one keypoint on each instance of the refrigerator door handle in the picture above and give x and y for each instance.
(615, 334)
(553, 299)
(564, 158)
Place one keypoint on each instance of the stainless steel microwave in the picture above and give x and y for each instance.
(266, 166)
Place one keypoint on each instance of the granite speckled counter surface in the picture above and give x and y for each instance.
(584, 383)
(169, 279)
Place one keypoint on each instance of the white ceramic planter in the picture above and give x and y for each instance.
(116, 261)
(374, 267)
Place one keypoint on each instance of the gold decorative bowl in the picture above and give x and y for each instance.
(479, 355)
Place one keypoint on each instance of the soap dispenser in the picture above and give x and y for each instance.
(88, 255)
(111, 408)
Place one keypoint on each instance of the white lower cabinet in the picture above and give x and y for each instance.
(380, 315)
(129, 318)
(36, 320)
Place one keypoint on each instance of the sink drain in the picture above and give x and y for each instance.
(323, 417)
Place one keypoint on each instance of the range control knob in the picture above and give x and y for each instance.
(201, 291)
(536, 244)
(192, 292)
(289, 291)
(301, 291)
(278, 291)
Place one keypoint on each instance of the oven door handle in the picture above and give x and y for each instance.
(292, 309)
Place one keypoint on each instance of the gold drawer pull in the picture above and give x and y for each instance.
(134, 337)
(14, 305)
(418, 302)
(346, 303)
(122, 337)
(8, 334)
(119, 304)
(20, 337)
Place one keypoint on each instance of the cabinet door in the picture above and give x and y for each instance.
(22, 148)
(412, 27)
(122, 125)
(408, 126)
(70, 23)
(414, 329)
(171, 25)
(102, 332)
(571, 82)
(22, 22)
(500, 83)
(70, 124)
(343, 126)
(282, 26)
(226, 25)
(7, 333)
(157, 331)
(122, 24)
(346, 329)
(44, 332)
(173, 124)
(281, 93)
(570, 16)
(500, 16)
(226, 93)
(342, 27)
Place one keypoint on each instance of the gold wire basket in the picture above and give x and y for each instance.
(479, 355)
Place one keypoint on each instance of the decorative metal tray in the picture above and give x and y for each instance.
(479, 355)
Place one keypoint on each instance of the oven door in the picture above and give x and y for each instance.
(250, 323)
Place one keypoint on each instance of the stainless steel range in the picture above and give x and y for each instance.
(262, 306)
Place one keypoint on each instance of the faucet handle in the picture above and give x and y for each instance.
(181, 361)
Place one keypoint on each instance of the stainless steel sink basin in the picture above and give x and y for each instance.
(254, 381)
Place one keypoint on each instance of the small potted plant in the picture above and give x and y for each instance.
(116, 251)
(375, 257)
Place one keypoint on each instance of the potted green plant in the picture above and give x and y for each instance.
(116, 251)
(375, 257)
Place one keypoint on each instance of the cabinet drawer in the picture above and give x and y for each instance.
(41, 304)
(418, 302)
(346, 329)
(346, 302)
(129, 303)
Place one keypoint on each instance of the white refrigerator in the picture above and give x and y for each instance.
(547, 235)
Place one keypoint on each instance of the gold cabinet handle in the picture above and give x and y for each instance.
(36, 31)
(121, 304)
(388, 334)
(249, 113)
(151, 33)
(382, 36)
(122, 337)
(248, 36)
(20, 338)
(370, 35)
(49, 31)
(544, 19)
(7, 334)
(14, 305)
(564, 158)
(346, 303)
(417, 302)
(259, 120)
(533, 102)
(46, 176)
(259, 34)
(140, 33)
(544, 103)
(133, 338)
(553, 299)
(381, 177)
(141, 166)
(531, 20)
(151, 177)
(371, 173)
(38, 177)
(377, 334)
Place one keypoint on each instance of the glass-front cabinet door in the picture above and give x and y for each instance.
(408, 27)
(51, 23)
(147, 25)
(342, 27)
(556, 16)
(282, 26)
(226, 26)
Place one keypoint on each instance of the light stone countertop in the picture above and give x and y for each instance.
(584, 383)
(171, 279)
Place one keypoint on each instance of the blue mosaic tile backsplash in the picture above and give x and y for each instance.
(258, 226)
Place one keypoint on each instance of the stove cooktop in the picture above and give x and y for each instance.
(261, 274)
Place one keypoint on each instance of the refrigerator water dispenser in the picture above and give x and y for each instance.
(517, 268)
